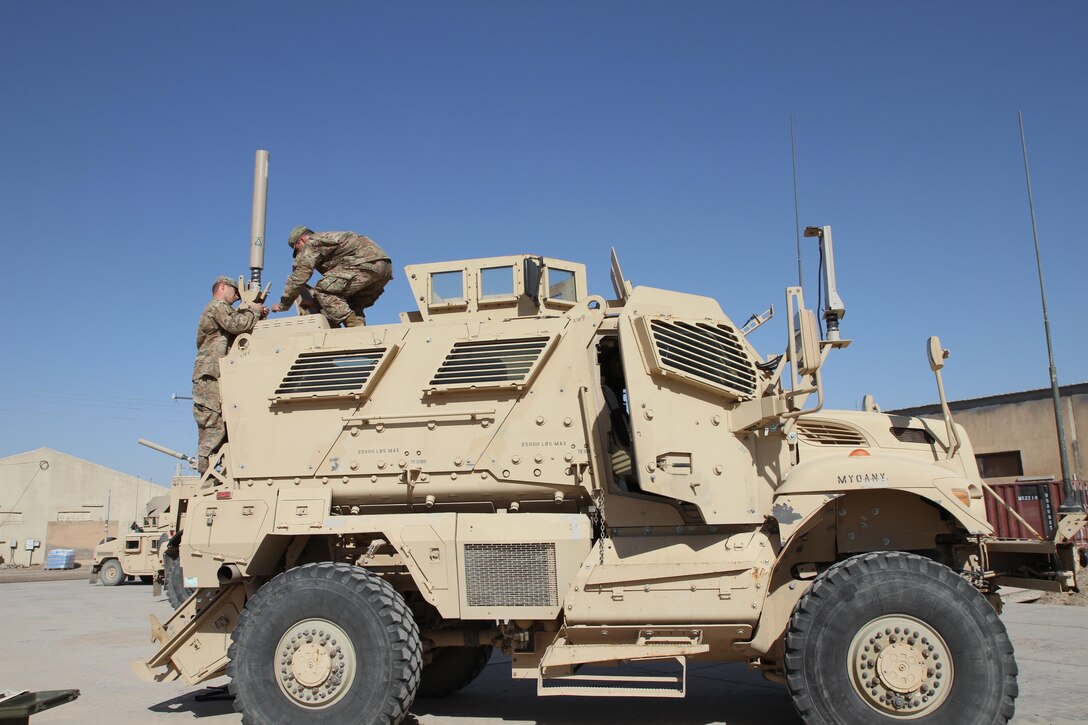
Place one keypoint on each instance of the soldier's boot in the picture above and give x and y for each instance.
(201, 464)
(354, 320)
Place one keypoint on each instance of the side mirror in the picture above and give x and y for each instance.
(531, 269)
(936, 354)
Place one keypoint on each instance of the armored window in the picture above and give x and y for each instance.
(448, 289)
(561, 285)
(708, 354)
(497, 282)
(132, 544)
(332, 373)
(489, 364)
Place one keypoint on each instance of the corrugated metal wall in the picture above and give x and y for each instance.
(1036, 501)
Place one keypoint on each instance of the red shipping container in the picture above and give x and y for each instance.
(1037, 503)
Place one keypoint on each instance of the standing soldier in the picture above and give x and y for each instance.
(355, 271)
(219, 324)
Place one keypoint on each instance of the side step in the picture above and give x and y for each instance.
(558, 672)
(193, 643)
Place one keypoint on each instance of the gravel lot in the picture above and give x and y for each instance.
(68, 634)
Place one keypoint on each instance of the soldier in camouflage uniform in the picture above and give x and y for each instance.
(355, 271)
(219, 324)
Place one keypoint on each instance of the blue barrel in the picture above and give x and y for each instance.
(60, 559)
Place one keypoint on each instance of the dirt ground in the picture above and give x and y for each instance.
(36, 573)
(67, 634)
(1069, 599)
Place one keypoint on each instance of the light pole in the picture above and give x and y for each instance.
(1072, 503)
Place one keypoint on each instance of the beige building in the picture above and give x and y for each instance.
(60, 501)
(1014, 434)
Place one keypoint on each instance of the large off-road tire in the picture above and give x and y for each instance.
(111, 573)
(891, 637)
(452, 668)
(325, 643)
(174, 580)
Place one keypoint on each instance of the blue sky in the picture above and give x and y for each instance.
(449, 130)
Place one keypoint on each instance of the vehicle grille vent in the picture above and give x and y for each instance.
(491, 362)
(331, 372)
(914, 435)
(829, 434)
(510, 575)
(709, 352)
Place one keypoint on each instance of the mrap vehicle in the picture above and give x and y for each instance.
(582, 482)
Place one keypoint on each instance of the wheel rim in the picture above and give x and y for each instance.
(111, 574)
(315, 663)
(900, 666)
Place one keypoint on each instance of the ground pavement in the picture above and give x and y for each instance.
(69, 634)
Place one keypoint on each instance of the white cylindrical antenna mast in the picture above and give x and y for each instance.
(260, 206)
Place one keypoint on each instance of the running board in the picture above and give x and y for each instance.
(558, 672)
(193, 644)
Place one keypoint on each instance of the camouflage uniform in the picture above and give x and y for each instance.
(355, 271)
(219, 325)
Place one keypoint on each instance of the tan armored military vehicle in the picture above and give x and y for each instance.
(173, 580)
(172, 522)
(582, 482)
(137, 553)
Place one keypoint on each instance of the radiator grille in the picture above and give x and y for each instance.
(331, 372)
(914, 435)
(710, 352)
(510, 575)
(490, 362)
(829, 434)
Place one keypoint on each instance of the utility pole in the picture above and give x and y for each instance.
(1072, 503)
(106, 517)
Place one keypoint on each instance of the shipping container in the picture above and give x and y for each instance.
(1037, 502)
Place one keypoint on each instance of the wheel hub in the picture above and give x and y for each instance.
(315, 663)
(900, 666)
(312, 664)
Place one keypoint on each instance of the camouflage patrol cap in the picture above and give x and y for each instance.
(296, 233)
(223, 279)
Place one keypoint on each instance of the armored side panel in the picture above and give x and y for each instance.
(479, 413)
(687, 369)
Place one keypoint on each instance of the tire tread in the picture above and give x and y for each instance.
(390, 608)
(824, 589)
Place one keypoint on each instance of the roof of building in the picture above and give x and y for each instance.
(44, 454)
(1023, 396)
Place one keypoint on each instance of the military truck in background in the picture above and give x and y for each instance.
(137, 553)
(583, 482)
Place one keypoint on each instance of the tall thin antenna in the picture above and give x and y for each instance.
(1071, 503)
(796, 214)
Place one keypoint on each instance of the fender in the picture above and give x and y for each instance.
(836, 475)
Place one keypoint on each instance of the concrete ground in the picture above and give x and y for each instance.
(69, 634)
